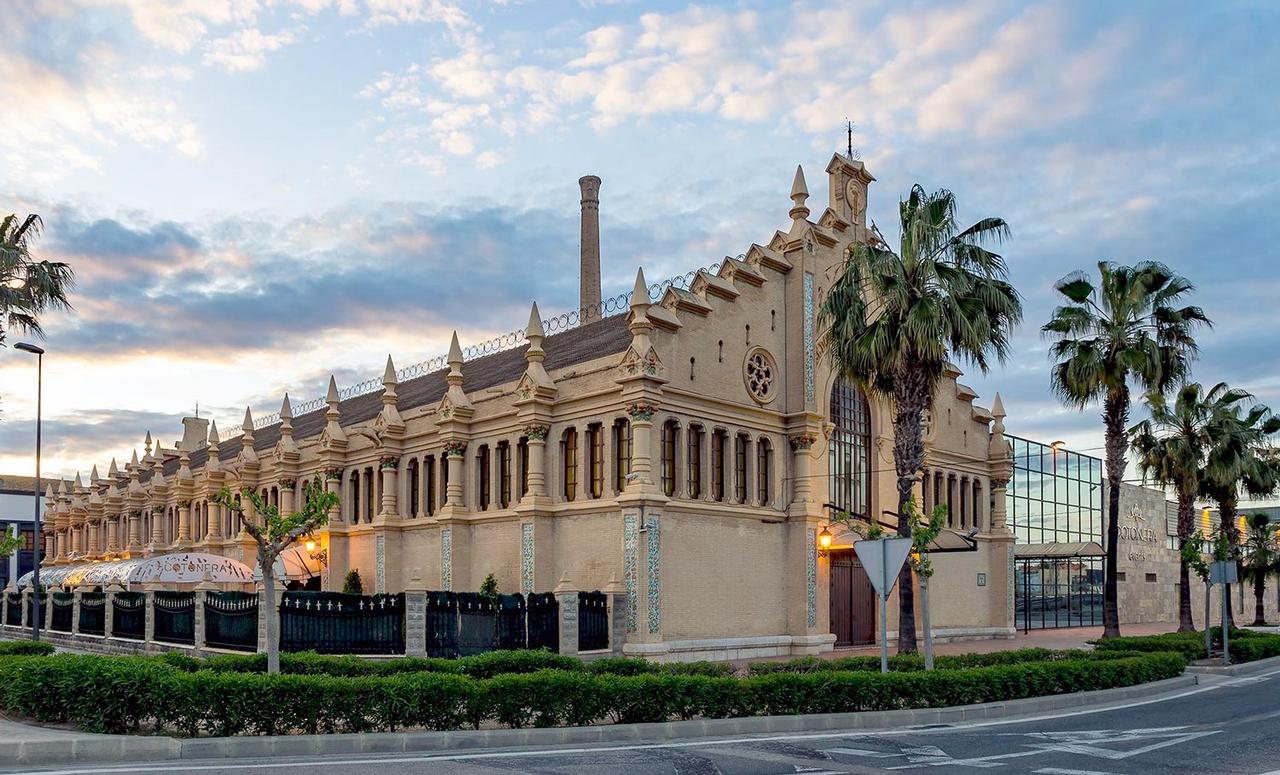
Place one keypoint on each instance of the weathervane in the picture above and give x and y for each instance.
(851, 155)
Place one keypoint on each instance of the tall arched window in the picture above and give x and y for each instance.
(569, 461)
(764, 470)
(482, 476)
(694, 460)
(621, 453)
(412, 487)
(429, 479)
(670, 430)
(849, 461)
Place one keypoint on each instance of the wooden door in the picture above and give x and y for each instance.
(853, 600)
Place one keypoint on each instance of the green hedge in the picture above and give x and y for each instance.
(1245, 645)
(125, 694)
(25, 648)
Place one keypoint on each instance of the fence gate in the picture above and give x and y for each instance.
(334, 623)
(544, 621)
(593, 621)
(477, 626)
(511, 622)
(231, 620)
(442, 624)
(93, 610)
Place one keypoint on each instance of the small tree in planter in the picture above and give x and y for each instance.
(352, 585)
(489, 587)
(274, 533)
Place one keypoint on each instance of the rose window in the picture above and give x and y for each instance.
(760, 373)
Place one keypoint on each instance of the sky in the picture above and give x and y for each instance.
(257, 193)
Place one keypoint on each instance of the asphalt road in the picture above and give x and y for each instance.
(1225, 725)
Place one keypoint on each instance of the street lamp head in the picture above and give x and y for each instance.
(29, 348)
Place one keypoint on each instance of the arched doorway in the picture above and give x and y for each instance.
(853, 601)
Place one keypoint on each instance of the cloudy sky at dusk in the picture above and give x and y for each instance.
(256, 193)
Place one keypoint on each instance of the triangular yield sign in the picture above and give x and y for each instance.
(882, 559)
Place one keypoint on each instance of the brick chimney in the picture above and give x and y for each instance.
(589, 269)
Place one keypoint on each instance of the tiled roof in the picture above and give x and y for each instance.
(577, 345)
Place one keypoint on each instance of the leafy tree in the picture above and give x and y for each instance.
(275, 532)
(892, 320)
(1124, 331)
(1193, 556)
(1171, 447)
(1261, 559)
(9, 543)
(352, 585)
(923, 534)
(1240, 458)
(28, 286)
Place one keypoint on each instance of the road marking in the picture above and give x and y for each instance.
(1060, 771)
(861, 752)
(1068, 713)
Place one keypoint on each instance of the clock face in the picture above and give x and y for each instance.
(852, 196)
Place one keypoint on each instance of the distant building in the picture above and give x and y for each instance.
(17, 494)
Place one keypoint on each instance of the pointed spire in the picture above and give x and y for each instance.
(799, 195)
(333, 434)
(213, 435)
(48, 494)
(455, 351)
(147, 443)
(534, 328)
(997, 427)
(93, 476)
(78, 484)
(331, 397)
(62, 488)
(247, 427)
(286, 411)
(389, 374)
(133, 461)
(114, 470)
(997, 408)
(640, 291)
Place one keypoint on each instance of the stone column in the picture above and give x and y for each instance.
(108, 603)
(150, 611)
(749, 471)
(388, 466)
(617, 595)
(415, 619)
(215, 523)
(802, 490)
(184, 523)
(135, 531)
(333, 484)
(641, 443)
(453, 456)
(288, 491)
(25, 605)
(157, 527)
(75, 611)
(998, 511)
(537, 435)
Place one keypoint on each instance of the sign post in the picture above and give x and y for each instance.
(882, 559)
(1224, 572)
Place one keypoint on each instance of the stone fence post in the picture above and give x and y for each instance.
(108, 607)
(149, 608)
(567, 603)
(415, 617)
(46, 611)
(24, 606)
(616, 594)
(75, 611)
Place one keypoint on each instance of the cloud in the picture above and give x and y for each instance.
(245, 49)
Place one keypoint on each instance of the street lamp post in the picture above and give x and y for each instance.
(35, 568)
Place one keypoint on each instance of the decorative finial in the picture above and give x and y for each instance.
(455, 352)
(213, 435)
(93, 476)
(286, 411)
(79, 485)
(114, 470)
(799, 195)
(133, 461)
(389, 374)
(534, 329)
(247, 427)
(332, 397)
(639, 297)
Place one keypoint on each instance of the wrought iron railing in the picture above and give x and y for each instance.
(614, 305)
(93, 613)
(593, 621)
(334, 623)
(175, 617)
(512, 622)
(129, 615)
(543, 616)
(477, 623)
(63, 604)
(231, 620)
(442, 624)
(13, 611)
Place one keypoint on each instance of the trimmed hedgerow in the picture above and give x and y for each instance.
(125, 694)
(1246, 645)
(25, 648)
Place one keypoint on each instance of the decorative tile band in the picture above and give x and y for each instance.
(446, 559)
(526, 558)
(654, 568)
(630, 561)
(810, 388)
(380, 563)
(1009, 581)
(811, 578)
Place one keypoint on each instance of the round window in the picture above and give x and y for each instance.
(760, 373)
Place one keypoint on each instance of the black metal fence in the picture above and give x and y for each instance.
(466, 623)
(593, 621)
(333, 623)
(93, 610)
(175, 617)
(31, 608)
(231, 620)
(543, 615)
(129, 615)
(63, 606)
(13, 611)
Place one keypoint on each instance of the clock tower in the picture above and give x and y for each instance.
(848, 181)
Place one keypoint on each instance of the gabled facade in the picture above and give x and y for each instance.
(688, 451)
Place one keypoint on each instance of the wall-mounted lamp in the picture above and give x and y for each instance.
(824, 542)
(316, 553)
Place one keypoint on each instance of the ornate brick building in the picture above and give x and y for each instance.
(687, 447)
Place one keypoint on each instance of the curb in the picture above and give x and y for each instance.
(98, 749)
(1243, 669)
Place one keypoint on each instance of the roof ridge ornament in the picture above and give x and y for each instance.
(799, 195)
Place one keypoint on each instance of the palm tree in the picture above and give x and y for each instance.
(1261, 559)
(1124, 331)
(891, 321)
(28, 286)
(1171, 448)
(1240, 458)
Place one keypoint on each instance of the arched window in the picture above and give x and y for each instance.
(670, 430)
(429, 479)
(718, 439)
(412, 486)
(694, 459)
(569, 464)
(482, 475)
(595, 448)
(355, 497)
(849, 461)
(504, 473)
(740, 443)
(764, 469)
(522, 454)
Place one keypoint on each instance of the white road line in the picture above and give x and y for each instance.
(173, 766)
(1060, 771)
